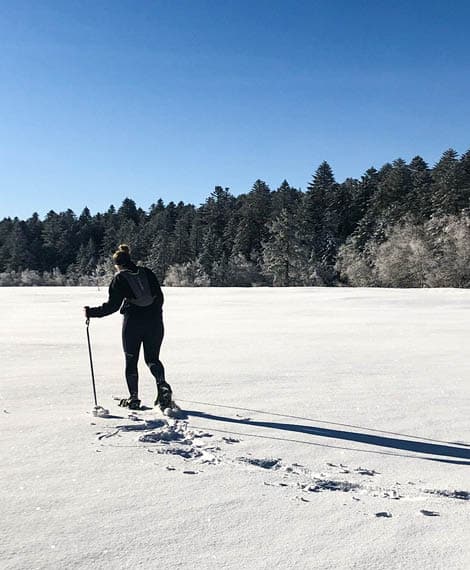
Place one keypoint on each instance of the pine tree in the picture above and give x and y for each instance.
(212, 250)
(220, 273)
(285, 198)
(316, 203)
(445, 183)
(361, 200)
(157, 208)
(181, 240)
(284, 255)
(347, 207)
(392, 196)
(196, 236)
(464, 182)
(59, 235)
(19, 257)
(320, 223)
(6, 226)
(420, 198)
(35, 243)
(128, 211)
(254, 215)
(159, 256)
(86, 258)
(215, 215)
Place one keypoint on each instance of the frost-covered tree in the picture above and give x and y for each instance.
(405, 258)
(451, 251)
(190, 274)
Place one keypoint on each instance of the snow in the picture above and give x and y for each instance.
(324, 428)
(100, 412)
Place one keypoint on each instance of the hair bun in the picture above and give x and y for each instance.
(125, 248)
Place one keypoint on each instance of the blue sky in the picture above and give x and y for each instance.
(167, 98)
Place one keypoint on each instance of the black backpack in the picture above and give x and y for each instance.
(139, 283)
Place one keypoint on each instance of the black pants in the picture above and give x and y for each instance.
(135, 332)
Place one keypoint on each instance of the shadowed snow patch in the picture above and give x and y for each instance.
(143, 425)
(166, 432)
(163, 436)
(464, 495)
(264, 463)
(364, 471)
(184, 452)
(320, 485)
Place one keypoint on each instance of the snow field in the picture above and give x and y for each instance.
(324, 429)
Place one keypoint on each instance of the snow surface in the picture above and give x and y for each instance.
(325, 428)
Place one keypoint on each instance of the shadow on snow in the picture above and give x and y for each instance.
(422, 447)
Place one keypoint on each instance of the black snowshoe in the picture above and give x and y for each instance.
(164, 398)
(133, 403)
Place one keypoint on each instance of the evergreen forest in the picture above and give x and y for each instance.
(404, 225)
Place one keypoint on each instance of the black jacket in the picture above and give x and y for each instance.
(119, 293)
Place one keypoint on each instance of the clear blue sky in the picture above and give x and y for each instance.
(103, 99)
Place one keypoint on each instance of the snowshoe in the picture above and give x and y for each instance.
(132, 403)
(164, 398)
(175, 412)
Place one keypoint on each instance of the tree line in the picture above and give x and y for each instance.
(404, 225)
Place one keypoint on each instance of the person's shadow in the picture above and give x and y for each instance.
(459, 453)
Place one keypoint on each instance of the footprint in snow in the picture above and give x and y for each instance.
(320, 485)
(134, 418)
(268, 484)
(392, 495)
(384, 514)
(295, 469)
(369, 472)
(268, 463)
(302, 499)
(202, 434)
(101, 436)
(464, 495)
(189, 453)
(163, 437)
(231, 440)
(429, 513)
(343, 468)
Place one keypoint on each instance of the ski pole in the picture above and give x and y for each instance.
(98, 411)
(91, 361)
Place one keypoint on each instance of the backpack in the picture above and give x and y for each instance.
(139, 284)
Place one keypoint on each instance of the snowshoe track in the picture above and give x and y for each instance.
(176, 438)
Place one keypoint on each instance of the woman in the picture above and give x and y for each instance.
(136, 291)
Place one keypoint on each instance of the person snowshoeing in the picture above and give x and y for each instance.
(137, 293)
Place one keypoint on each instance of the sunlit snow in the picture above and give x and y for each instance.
(323, 428)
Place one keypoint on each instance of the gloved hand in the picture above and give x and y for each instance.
(86, 311)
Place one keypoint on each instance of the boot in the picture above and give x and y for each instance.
(133, 403)
(164, 396)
